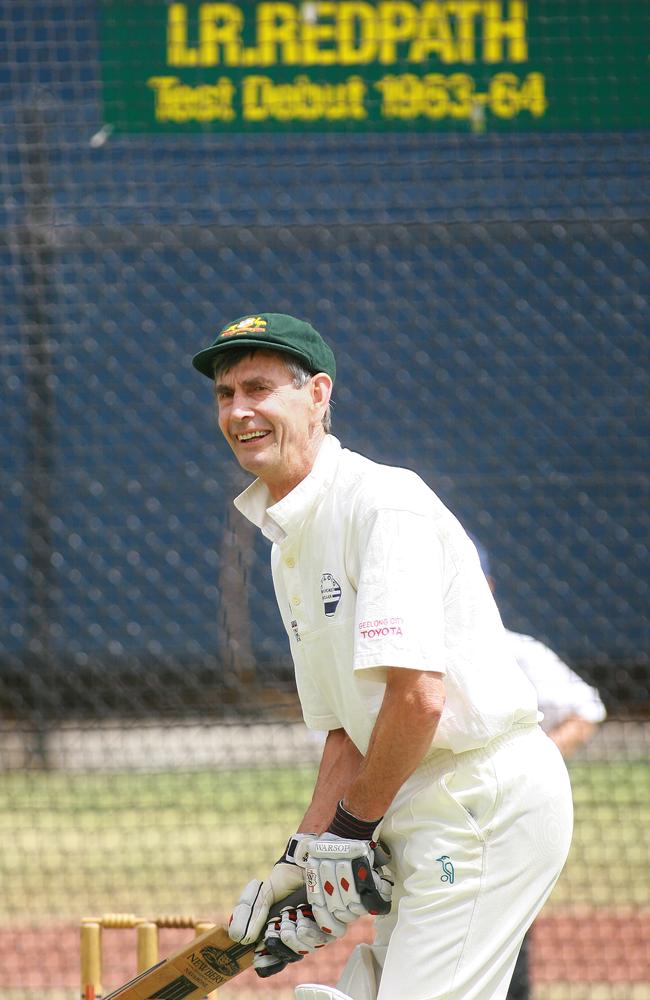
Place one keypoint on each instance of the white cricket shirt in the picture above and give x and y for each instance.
(371, 570)
(560, 691)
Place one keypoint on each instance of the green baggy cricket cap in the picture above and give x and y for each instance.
(275, 332)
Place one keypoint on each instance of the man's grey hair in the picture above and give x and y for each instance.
(300, 374)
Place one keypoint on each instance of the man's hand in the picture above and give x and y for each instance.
(344, 882)
(289, 937)
(288, 873)
(345, 877)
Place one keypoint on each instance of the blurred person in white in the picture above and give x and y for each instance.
(572, 709)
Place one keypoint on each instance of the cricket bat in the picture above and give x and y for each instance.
(197, 968)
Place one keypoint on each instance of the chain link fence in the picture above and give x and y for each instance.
(485, 291)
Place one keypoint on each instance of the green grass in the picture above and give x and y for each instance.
(163, 842)
(187, 841)
(609, 862)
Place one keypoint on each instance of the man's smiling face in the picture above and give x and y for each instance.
(273, 427)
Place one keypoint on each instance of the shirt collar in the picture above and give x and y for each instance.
(277, 520)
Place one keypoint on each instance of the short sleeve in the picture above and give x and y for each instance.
(400, 597)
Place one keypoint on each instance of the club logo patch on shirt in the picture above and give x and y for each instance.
(330, 591)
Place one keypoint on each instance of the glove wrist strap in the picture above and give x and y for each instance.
(345, 824)
(295, 844)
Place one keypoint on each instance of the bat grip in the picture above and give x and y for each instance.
(295, 898)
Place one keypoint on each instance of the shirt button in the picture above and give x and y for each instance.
(290, 562)
(295, 601)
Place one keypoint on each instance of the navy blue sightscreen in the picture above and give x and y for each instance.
(487, 300)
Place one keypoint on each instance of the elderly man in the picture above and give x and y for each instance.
(434, 757)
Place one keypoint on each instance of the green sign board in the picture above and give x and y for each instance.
(355, 65)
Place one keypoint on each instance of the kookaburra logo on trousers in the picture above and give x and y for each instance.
(330, 591)
(448, 873)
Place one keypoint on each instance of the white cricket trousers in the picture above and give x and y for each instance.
(478, 841)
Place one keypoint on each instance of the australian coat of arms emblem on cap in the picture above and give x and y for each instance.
(250, 324)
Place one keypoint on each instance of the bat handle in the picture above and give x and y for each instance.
(295, 898)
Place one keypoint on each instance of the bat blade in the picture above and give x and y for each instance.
(197, 968)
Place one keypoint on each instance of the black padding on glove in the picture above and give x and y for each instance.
(265, 971)
(365, 886)
(279, 950)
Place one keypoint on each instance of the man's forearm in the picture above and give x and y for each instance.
(571, 734)
(340, 763)
(401, 737)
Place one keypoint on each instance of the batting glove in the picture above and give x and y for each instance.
(345, 877)
(252, 909)
(288, 937)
